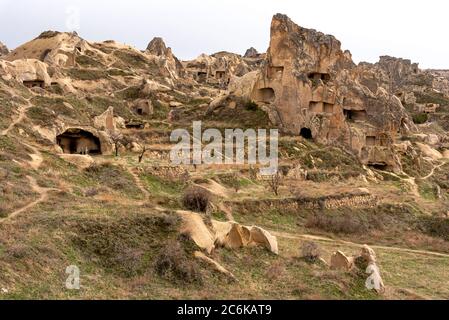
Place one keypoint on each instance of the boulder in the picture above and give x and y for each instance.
(429, 151)
(340, 261)
(29, 70)
(230, 235)
(80, 161)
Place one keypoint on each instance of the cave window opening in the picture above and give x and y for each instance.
(306, 133)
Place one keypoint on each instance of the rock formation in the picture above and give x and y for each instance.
(218, 69)
(170, 64)
(157, 47)
(251, 53)
(318, 93)
(3, 50)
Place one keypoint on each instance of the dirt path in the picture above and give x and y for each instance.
(138, 183)
(286, 235)
(43, 196)
(36, 157)
(433, 170)
(22, 111)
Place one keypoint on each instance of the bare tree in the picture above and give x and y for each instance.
(275, 182)
(143, 150)
(117, 140)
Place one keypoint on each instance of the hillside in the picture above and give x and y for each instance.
(87, 179)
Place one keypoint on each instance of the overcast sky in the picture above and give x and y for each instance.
(413, 29)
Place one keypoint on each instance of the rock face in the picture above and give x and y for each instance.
(30, 72)
(218, 69)
(3, 50)
(340, 261)
(251, 53)
(53, 48)
(319, 94)
(157, 47)
(170, 65)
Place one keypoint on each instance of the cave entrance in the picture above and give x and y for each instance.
(34, 83)
(315, 77)
(220, 74)
(78, 141)
(201, 76)
(266, 95)
(355, 115)
(382, 166)
(306, 133)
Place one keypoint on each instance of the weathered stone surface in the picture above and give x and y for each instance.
(219, 68)
(169, 64)
(341, 262)
(3, 50)
(251, 53)
(316, 87)
(27, 71)
(157, 47)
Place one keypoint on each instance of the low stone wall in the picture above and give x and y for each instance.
(293, 205)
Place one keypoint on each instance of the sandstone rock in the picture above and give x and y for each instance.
(219, 68)
(193, 225)
(169, 64)
(157, 47)
(340, 261)
(368, 254)
(432, 139)
(429, 151)
(30, 72)
(150, 86)
(143, 107)
(316, 88)
(53, 48)
(175, 104)
(3, 50)
(105, 121)
(446, 154)
(81, 161)
(251, 53)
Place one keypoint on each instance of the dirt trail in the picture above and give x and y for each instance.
(43, 195)
(22, 111)
(433, 170)
(138, 182)
(286, 235)
(36, 157)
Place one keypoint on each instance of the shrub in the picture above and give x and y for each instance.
(420, 118)
(196, 199)
(436, 227)
(345, 223)
(174, 264)
(251, 106)
(310, 251)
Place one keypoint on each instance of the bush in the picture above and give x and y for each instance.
(174, 264)
(420, 118)
(310, 251)
(344, 223)
(251, 106)
(436, 227)
(196, 199)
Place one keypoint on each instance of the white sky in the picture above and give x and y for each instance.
(412, 29)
